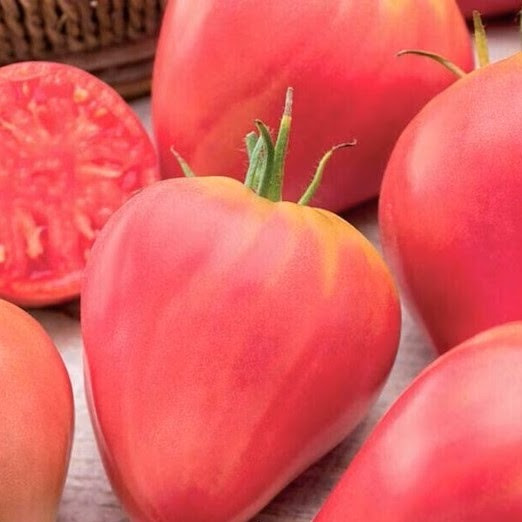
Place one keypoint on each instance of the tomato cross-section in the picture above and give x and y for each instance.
(71, 152)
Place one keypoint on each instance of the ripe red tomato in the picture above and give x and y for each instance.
(489, 7)
(36, 419)
(448, 450)
(230, 341)
(72, 151)
(220, 64)
(449, 211)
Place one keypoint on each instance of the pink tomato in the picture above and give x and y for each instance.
(220, 64)
(448, 450)
(450, 210)
(230, 341)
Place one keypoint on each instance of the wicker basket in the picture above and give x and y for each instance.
(114, 39)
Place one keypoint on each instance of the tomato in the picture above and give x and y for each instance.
(36, 419)
(448, 450)
(489, 7)
(230, 341)
(72, 152)
(449, 210)
(220, 64)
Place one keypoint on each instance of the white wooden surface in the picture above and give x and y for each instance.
(88, 497)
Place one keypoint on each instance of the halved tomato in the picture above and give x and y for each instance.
(71, 152)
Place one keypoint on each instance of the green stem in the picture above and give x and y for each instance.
(261, 166)
(266, 178)
(455, 69)
(255, 154)
(276, 186)
(251, 140)
(266, 161)
(187, 171)
(481, 40)
(318, 176)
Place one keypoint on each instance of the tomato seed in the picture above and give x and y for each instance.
(84, 225)
(80, 95)
(17, 133)
(97, 170)
(100, 111)
(34, 245)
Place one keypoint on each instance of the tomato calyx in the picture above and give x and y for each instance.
(265, 173)
(267, 181)
(452, 67)
(481, 46)
(481, 40)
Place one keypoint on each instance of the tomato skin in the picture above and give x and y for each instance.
(229, 342)
(36, 419)
(448, 450)
(72, 152)
(489, 7)
(211, 81)
(449, 211)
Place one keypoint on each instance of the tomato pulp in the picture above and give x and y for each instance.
(71, 152)
(448, 450)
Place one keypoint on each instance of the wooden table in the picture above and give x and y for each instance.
(88, 497)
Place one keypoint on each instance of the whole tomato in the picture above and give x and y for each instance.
(220, 64)
(230, 341)
(489, 7)
(36, 420)
(71, 152)
(448, 450)
(449, 210)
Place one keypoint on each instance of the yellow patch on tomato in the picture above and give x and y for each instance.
(400, 7)
(439, 7)
(330, 263)
(328, 241)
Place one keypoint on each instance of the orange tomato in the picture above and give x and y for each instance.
(36, 419)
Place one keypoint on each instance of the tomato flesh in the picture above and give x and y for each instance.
(71, 152)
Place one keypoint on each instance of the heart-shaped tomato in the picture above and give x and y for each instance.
(230, 341)
(450, 210)
(449, 449)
